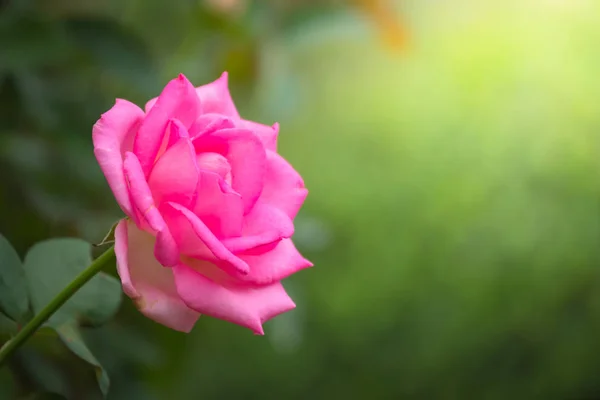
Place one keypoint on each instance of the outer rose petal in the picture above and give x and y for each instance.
(242, 305)
(166, 249)
(149, 104)
(245, 154)
(111, 136)
(273, 264)
(215, 98)
(265, 224)
(175, 175)
(177, 101)
(284, 187)
(195, 239)
(149, 284)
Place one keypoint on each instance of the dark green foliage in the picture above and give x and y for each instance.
(14, 301)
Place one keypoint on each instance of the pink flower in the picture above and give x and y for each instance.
(210, 207)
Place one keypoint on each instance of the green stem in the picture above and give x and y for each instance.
(36, 322)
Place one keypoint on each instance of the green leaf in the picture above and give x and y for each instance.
(38, 365)
(7, 326)
(51, 265)
(71, 337)
(14, 301)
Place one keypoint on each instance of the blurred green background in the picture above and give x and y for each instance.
(454, 207)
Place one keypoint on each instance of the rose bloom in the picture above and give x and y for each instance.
(209, 203)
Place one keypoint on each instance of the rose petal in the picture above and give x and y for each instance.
(246, 155)
(166, 249)
(275, 264)
(266, 134)
(150, 104)
(218, 206)
(215, 98)
(195, 239)
(112, 136)
(284, 187)
(175, 175)
(265, 224)
(206, 123)
(175, 131)
(215, 162)
(140, 193)
(150, 285)
(246, 306)
(177, 101)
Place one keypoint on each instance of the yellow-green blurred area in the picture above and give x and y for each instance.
(454, 207)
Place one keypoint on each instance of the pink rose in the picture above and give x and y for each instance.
(210, 207)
